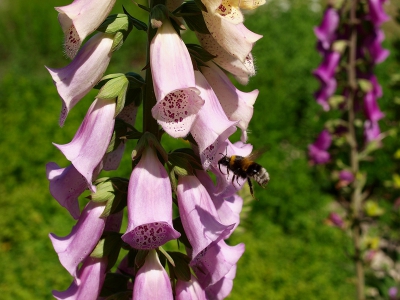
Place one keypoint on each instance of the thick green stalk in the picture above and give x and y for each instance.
(356, 199)
(149, 98)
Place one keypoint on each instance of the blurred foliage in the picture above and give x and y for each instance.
(290, 253)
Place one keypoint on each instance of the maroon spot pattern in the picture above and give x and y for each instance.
(150, 236)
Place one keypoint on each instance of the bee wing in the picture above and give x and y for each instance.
(256, 154)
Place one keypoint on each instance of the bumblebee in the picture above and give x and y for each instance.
(246, 168)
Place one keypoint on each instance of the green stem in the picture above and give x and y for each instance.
(356, 199)
(149, 98)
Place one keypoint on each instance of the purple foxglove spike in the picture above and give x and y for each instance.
(372, 131)
(66, 185)
(240, 70)
(223, 287)
(371, 107)
(373, 44)
(326, 32)
(199, 217)
(178, 99)
(215, 261)
(78, 245)
(87, 148)
(189, 290)
(326, 70)
(236, 39)
(376, 12)
(152, 281)
(317, 151)
(377, 89)
(237, 105)
(88, 283)
(74, 81)
(228, 210)
(112, 160)
(225, 188)
(393, 293)
(149, 205)
(79, 19)
(211, 127)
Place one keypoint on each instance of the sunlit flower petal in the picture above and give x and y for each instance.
(81, 18)
(189, 290)
(223, 287)
(149, 205)
(74, 81)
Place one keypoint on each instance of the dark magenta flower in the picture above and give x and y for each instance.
(376, 12)
(326, 31)
(317, 151)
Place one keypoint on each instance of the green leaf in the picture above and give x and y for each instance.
(114, 283)
(115, 23)
(113, 88)
(167, 256)
(140, 258)
(192, 15)
(135, 80)
(104, 190)
(199, 52)
(365, 85)
(135, 22)
(107, 78)
(178, 227)
(110, 242)
(121, 99)
(180, 164)
(121, 296)
(181, 268)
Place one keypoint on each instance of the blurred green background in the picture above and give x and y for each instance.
(290, 252)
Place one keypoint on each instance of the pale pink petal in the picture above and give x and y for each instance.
(212, 127)
(242, 70)
(222, 288)
(74, 81)
(189, 290)
(237, 105)
(199, 217)
(214, 262)
(236, 39)
(78, 245)
(81, 18)
(230, 11)
(88, 283)
(149, 205)
(152, 281)
(90, 142)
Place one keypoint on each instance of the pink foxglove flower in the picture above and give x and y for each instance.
(87, 148)
(178, 99)
(74, 81)
(241, 70)
(374, 46)
(326, 70)
(215, 261)
(189, 290)
(211, 127)
(78, 245)
(66, 184)
(371, 108)
(326, 32)
(198, 214)
(149, 205)
(236, 39)
(223, 287)
(376, 12)
(372, 132)
(336, 220)
(80, 19)
(237, 105)
(152, 281)
(88, 282)
(317, 152)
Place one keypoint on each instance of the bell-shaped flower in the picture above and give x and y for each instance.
(178, 100)
(152, 281)
(199, 217)
(226, 186)
(226, 9)
(87, 148)
(335, 220)
(326, 31)
(317, 151)
(88, 283)
(326, 70)
(376, 12)
(236, 39)
(223, 287)
(79, 19)
(78, 245)
(325, 92)
(372, 132)
(374, 45)
(112, 160)
(149, 204)
(215, 261)
(66, 184)
(74, 81)
(237, 105)
(228, 209)
(189, 290)
(371, 107)
(211, 127)
(241, 70)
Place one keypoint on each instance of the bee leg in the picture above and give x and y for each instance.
(219, 167)
(233, 179)
(250, 187)
(237, 180)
